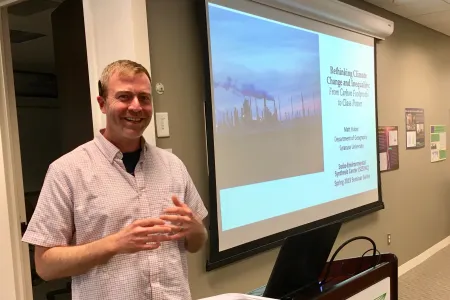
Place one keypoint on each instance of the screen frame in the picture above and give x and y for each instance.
(215, 258)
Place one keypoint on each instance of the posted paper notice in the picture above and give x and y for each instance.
(388, 148)
(438, 143)
(415, 128)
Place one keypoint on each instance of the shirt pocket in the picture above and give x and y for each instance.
(102, 210)
(174, 188)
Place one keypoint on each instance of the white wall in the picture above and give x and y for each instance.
(126, 37)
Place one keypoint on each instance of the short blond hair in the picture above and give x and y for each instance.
(126, 67)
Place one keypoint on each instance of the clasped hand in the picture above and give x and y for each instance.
(183, 222)
(147, 234)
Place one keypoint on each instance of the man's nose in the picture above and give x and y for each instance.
(135, 105)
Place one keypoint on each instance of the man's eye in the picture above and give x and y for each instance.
(144, 98)
(123, 97)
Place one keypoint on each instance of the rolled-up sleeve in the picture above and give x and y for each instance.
(52, 221)
(192, 197)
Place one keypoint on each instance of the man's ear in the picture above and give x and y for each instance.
(102, 103)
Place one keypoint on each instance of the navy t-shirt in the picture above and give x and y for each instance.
(130, 160)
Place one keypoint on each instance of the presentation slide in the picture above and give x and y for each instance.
(294, 124)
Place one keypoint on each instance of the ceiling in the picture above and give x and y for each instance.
(434, 14)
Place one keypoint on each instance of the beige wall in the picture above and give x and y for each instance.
(413, 71)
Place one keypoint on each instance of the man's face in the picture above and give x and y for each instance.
(128, 106)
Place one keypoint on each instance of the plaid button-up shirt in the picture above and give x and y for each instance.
(87, 195)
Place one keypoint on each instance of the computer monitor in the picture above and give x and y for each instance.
(301, 260)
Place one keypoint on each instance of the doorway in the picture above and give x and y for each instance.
(52, 120)
(79, 27)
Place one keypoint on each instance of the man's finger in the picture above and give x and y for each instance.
(150, 246)
(149, 222)
(161, 229)
(173, 230)
(177, 210)
(158, 238)
(177, 202)
(177, 218)
(176, 229)
(178, 236)
(173, 227)
(153, 236)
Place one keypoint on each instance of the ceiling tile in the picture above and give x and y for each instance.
(438, 21)
(418, 7)
(434, 14)
(403, 2)
(380, 2)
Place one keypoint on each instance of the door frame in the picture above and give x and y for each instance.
(15, 253)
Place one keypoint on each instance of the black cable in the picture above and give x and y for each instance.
(361, 264)
(374, 248)
(379, 256)
(374, 265)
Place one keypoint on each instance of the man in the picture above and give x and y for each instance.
(118, 214)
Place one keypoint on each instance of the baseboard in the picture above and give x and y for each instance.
(423, 256)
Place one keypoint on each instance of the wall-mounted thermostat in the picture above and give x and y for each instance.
(159, 88)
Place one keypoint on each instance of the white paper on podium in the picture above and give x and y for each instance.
(235, 296)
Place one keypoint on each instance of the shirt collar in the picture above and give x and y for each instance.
(110, 151)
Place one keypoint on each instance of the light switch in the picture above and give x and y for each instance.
(162, 124)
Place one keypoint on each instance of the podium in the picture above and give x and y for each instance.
(361, 278)
(302, 272)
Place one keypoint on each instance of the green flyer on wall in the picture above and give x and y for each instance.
(438, 142)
